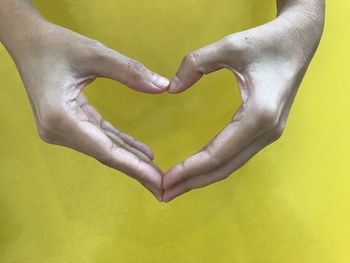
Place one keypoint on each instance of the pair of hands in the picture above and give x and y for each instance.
(269, 62)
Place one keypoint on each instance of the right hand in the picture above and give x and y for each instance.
(56, 64)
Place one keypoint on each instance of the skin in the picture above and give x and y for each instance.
(269, 62)
(56, 64)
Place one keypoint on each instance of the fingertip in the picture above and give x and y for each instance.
(148, 174)
(150, 154)
(174, 91)
(161, 174)
(170, 177)
(160, 82)
(156, 192)
(155, 85)
(154, 188)
(169, 196)
(166, 198)
(157, 183)
(146, 150)
(158, 195)
(170, 170)
(176, 85)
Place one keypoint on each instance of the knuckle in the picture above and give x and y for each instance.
(228, 42)
(105, 157)
(94, 49)
(96, 45)
(269, 121)
(136, 67)
(136, 70)
(277, 132)
(191, 59)
(268, 118)
(214, 160)
(239, 43)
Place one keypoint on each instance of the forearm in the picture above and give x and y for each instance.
(305, 18)
(306, 5)
(311, 10)
(17, 17)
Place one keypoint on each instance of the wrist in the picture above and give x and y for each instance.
(303, 14)
(19, 22)
(305, 23)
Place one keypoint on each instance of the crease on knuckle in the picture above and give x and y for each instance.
(135, 71)
(95, 49)
(105, 158)
(191, 60)
(214, 160)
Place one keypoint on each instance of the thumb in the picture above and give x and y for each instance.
(193, 66)
(113, 65)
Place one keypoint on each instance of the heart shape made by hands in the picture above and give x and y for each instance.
(269, 62)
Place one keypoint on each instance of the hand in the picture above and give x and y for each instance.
(56, 64)
(269, 62)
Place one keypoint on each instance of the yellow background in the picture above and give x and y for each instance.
(291, 203)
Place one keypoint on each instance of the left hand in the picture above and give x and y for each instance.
(269, 62)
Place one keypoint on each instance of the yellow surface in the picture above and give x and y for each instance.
(291, 203)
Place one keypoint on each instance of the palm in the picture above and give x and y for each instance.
(62, 112)
(269, 68)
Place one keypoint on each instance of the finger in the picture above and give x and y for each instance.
(96, 118)
(157, 192)
(235, 137)
(198, 63)
(113, 65)
(217, 175)
(143, 153)
(129, 140)
(118, 141)
(85, 137)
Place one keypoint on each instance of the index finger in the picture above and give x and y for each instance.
(229, 142)
(85, 137)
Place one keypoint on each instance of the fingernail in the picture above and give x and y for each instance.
(173, 84)
(160, 82)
